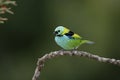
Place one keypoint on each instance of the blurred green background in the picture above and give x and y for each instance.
(27, 35)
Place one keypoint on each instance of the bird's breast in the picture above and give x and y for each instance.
(61, 40)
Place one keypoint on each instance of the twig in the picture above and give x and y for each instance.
(42, 60)
(5, 7)
(2, 19)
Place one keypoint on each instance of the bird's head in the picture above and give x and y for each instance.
(60, 31)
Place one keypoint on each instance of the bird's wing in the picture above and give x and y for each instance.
(72, 35)
(76, 36)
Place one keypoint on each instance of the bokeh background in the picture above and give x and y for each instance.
(28, 34)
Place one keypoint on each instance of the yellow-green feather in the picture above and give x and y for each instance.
(76, 36)
(65, 31)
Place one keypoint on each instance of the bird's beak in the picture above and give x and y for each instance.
(55, 32)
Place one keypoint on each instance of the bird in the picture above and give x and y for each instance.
(67, 39)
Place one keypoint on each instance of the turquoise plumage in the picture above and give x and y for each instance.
(67, 39)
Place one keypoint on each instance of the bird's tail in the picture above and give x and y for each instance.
(87, 42)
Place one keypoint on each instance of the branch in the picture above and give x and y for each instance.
(5, 7)
(42, 60)
(2, 19)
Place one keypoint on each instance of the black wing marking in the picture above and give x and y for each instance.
(70, 34)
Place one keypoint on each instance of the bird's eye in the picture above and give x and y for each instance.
(58, 30)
